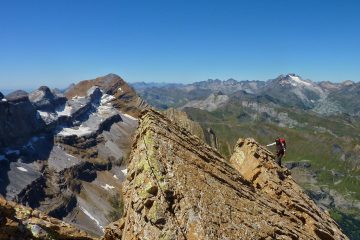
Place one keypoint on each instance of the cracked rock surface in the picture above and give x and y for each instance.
(180, 188)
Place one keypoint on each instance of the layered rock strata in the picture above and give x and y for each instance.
(180, 188)
(257, 165)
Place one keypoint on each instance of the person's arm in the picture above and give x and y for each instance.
(271, 144)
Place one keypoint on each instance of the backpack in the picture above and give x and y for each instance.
(283, 142)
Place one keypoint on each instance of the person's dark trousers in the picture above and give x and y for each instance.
(279, 156)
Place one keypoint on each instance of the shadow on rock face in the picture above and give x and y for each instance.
(4, 179)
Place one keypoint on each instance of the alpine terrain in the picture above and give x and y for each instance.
(319, 120)
(97, 162)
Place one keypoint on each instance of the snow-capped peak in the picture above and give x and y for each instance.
(298, 80)
(294, 80)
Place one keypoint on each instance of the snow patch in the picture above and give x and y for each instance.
(43, 114)
(4, 100)
(65, 112)
(105, 110)
(131, 117)
(106, 98)
(115, 177)
(81, 131)
(299, 81)
(120, 89)
(78, 97)
(92, 218)
(22, 169)
(124, 171)
(108, 187)
(69, 155)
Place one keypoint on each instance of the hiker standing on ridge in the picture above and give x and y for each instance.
(280, 149)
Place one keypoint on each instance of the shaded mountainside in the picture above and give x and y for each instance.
(179, 188)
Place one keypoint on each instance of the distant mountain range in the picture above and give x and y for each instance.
(288, 90)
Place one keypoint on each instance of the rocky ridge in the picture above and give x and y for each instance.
(180, 188)
(183, 120)
(256, 164)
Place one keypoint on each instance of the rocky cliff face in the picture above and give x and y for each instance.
(22, 223)
(177, 187)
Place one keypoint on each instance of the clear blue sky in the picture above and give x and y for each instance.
(55, 43)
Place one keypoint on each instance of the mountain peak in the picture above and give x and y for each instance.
(292, 79)
(17, 96)
(109, 83)
(347, 83)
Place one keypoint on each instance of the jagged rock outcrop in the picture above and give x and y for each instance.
(180, 188)
(22, 223)
(256, 164)
(182, 119)
(211, 138)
